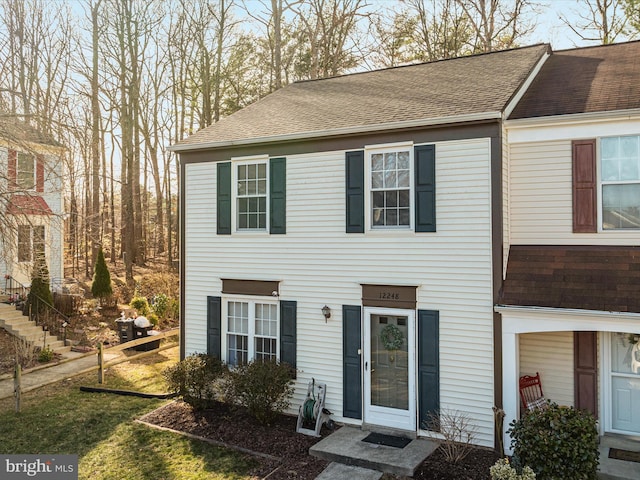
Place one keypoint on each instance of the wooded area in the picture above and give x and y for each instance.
(118, 81)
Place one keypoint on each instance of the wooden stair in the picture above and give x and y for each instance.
(17, 324)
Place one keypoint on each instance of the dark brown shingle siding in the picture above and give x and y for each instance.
(581, 277)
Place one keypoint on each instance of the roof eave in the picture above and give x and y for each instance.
(424, 122)
(532, 309)
(550, 120)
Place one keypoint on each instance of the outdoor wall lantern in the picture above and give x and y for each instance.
(326, 311)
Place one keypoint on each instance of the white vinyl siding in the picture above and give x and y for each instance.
(53, 224)
(550, 354)
(317, 263)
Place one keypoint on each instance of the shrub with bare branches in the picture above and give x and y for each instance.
(458, 433)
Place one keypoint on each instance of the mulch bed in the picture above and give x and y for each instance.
(236, 428)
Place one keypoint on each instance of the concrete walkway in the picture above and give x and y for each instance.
(74, 364)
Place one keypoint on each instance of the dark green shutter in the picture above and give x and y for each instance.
(224, 198)
(428, 367)
(278, 195)
(355, 191)
(425, 182)
(352, 370)
(214, 326)
(288, 313)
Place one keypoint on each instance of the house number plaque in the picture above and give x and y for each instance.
(391, 296)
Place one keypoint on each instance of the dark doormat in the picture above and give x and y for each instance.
(626, 455)
(387, 440)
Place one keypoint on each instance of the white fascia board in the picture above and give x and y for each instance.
(525, 86)
(426, 122)
(578, 125)
(529, 319)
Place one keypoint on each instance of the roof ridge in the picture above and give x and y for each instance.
(588, 47)
(441, 60)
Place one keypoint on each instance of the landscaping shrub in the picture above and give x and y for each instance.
(264, 388)
(501, 470)
(194, 379)
(556, 442)
(160, 304)
(458, 433)
(153, 319)
(40, 287)
(141, 305)
(101, 286)
(45, 355)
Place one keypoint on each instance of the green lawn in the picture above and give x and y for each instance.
(99, 428)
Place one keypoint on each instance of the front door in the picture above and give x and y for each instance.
(389, 368)
(625, 383)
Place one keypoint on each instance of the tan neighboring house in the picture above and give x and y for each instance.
(570, 304)
(31, 200)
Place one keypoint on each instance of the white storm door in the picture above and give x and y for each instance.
(625, 383)
(389, 368)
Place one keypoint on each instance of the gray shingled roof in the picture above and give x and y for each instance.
(585, 80)
(471, 85)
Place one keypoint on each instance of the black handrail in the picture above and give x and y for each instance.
(16, 291)
(38, 310)
(47, 316)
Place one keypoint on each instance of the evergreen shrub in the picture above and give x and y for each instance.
(101, 286)
(557, 442)
(264, 388)
(194, 379)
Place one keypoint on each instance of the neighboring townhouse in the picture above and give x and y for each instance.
(31, 200)
(570, 305)
(352, 227)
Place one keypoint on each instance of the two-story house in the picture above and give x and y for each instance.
(353, 227)
(570, 305)
(31, 196)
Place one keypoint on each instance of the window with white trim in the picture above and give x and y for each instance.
(26, 171)
(252, 331)
(620, 182)
(390, 188)
(30, 242)
(251, 195)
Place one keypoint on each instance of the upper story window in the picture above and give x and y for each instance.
(252, 331)
(30, 242)
(251, 196)
(391, 188)
(620, 182)
(26, 171)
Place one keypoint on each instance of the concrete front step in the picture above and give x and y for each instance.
(346, 446)
(612, 469)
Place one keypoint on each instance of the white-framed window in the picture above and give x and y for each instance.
(26, 171)
(620, 182)
(30, 241)
(251, 330)
(390, 196)
(251, 195)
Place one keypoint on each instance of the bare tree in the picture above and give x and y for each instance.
(598, 20)
(327, 26)
(497, 24)
(443, 31)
